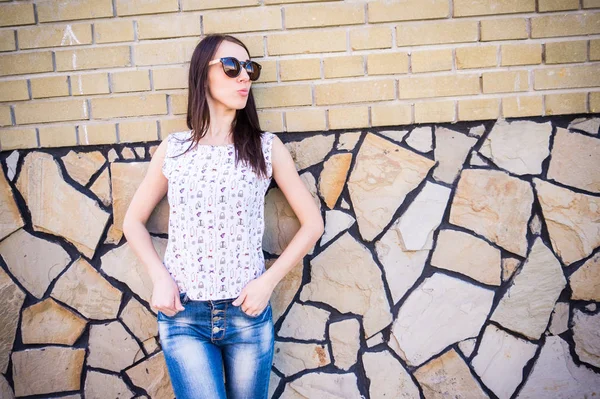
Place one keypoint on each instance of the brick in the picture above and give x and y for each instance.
(305, 119)
(57, 136)
(591, 3)
(567, 77)
(565, 103)
(97, 133)
(434, 111)
(127, 81)
(284, 1)
(431, 60)
(14, 139)
(53, 86)
(315, 41)
(595, 50)
(268, 73)
(49, 11)
(478, 109)
(137, 7)
(255, 44)
(55, 35)
(348, 117)
(14, 90)
(372, 37)
(23, 63)
(89, 83)
(383, 11)
(565, 25)
(114, 31)
(5, 119)
(503, 29)
(137, 131)
(271, 121)
(133, 105)
(566, 52)
(189, 5)
(387, 63)
(92, 58)
(463, 8)
(595, 101)
(7, 40)
(164, 52)
(343, 66)
(513, 107)
(355, 91)
(557, 5)
(300, 69)
(505, 81)
(391, 114)
(51, 111)
(161, 27)
(178, 103)
(17, 14)
(438, 32)
(168, 126)
(244, 20)
(282, 96)
(438, 86)
(520, 54)
(476, 57)
(319, 15)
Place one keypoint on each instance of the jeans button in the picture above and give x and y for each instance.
(216, 329)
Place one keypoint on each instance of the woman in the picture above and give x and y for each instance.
(212, 291)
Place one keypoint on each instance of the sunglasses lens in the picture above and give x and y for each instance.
(253, 70)
(231, 67)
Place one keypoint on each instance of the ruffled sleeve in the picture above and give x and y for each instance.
(267, 145)
(174, 147)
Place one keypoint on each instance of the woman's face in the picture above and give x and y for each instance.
(225, 90)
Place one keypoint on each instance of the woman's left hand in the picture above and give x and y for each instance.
(255, 296)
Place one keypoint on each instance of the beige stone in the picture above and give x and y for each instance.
(509, 266)
(388, 378)
(375, 340)
(10, 217)
(469, 255)
(382, 177)
(528, 303)
(421, 139)
(34, 262)
(575, 160)
(6, 391)
(152, 376)
(519, 147)
(467, 346)
(126, 178)
(345, 342)
(273, 384)
(47, 322)
(396, 135)
(586, 334)
(348, 141)
(323, 385)
(82, 165)
(285, 290)
(83, 288)
(311, 150)
(101, 386)
(333, 178)
(135, 274)
(304, 322)
(559, 322)
(535, 225)
(112, 155)
(495, 205)
(101, 187)
(293, 357)
(448, 374)
(47, 370)
(127, 153)
(12, 299)
(140, 321)
(585, 281)
(572, 220)
(113, 235)
(346, 277)
(111, 347)
(451, 150)
(588, 125)
(335, 223)
(49, 199)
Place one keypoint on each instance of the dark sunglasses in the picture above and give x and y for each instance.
(233, 67)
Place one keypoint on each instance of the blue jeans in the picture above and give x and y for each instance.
(214, 350)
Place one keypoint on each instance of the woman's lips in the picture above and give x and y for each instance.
(243, 92)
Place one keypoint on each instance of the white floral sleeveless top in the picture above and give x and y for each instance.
(216, 219)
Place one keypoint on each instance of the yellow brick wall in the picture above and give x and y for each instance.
(77, 72)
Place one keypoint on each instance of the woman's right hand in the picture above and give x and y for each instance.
(165, 296)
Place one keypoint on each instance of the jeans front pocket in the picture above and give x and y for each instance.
(268, 307)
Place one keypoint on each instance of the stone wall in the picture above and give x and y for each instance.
(458, 260)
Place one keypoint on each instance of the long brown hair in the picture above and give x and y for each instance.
(247, 134)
